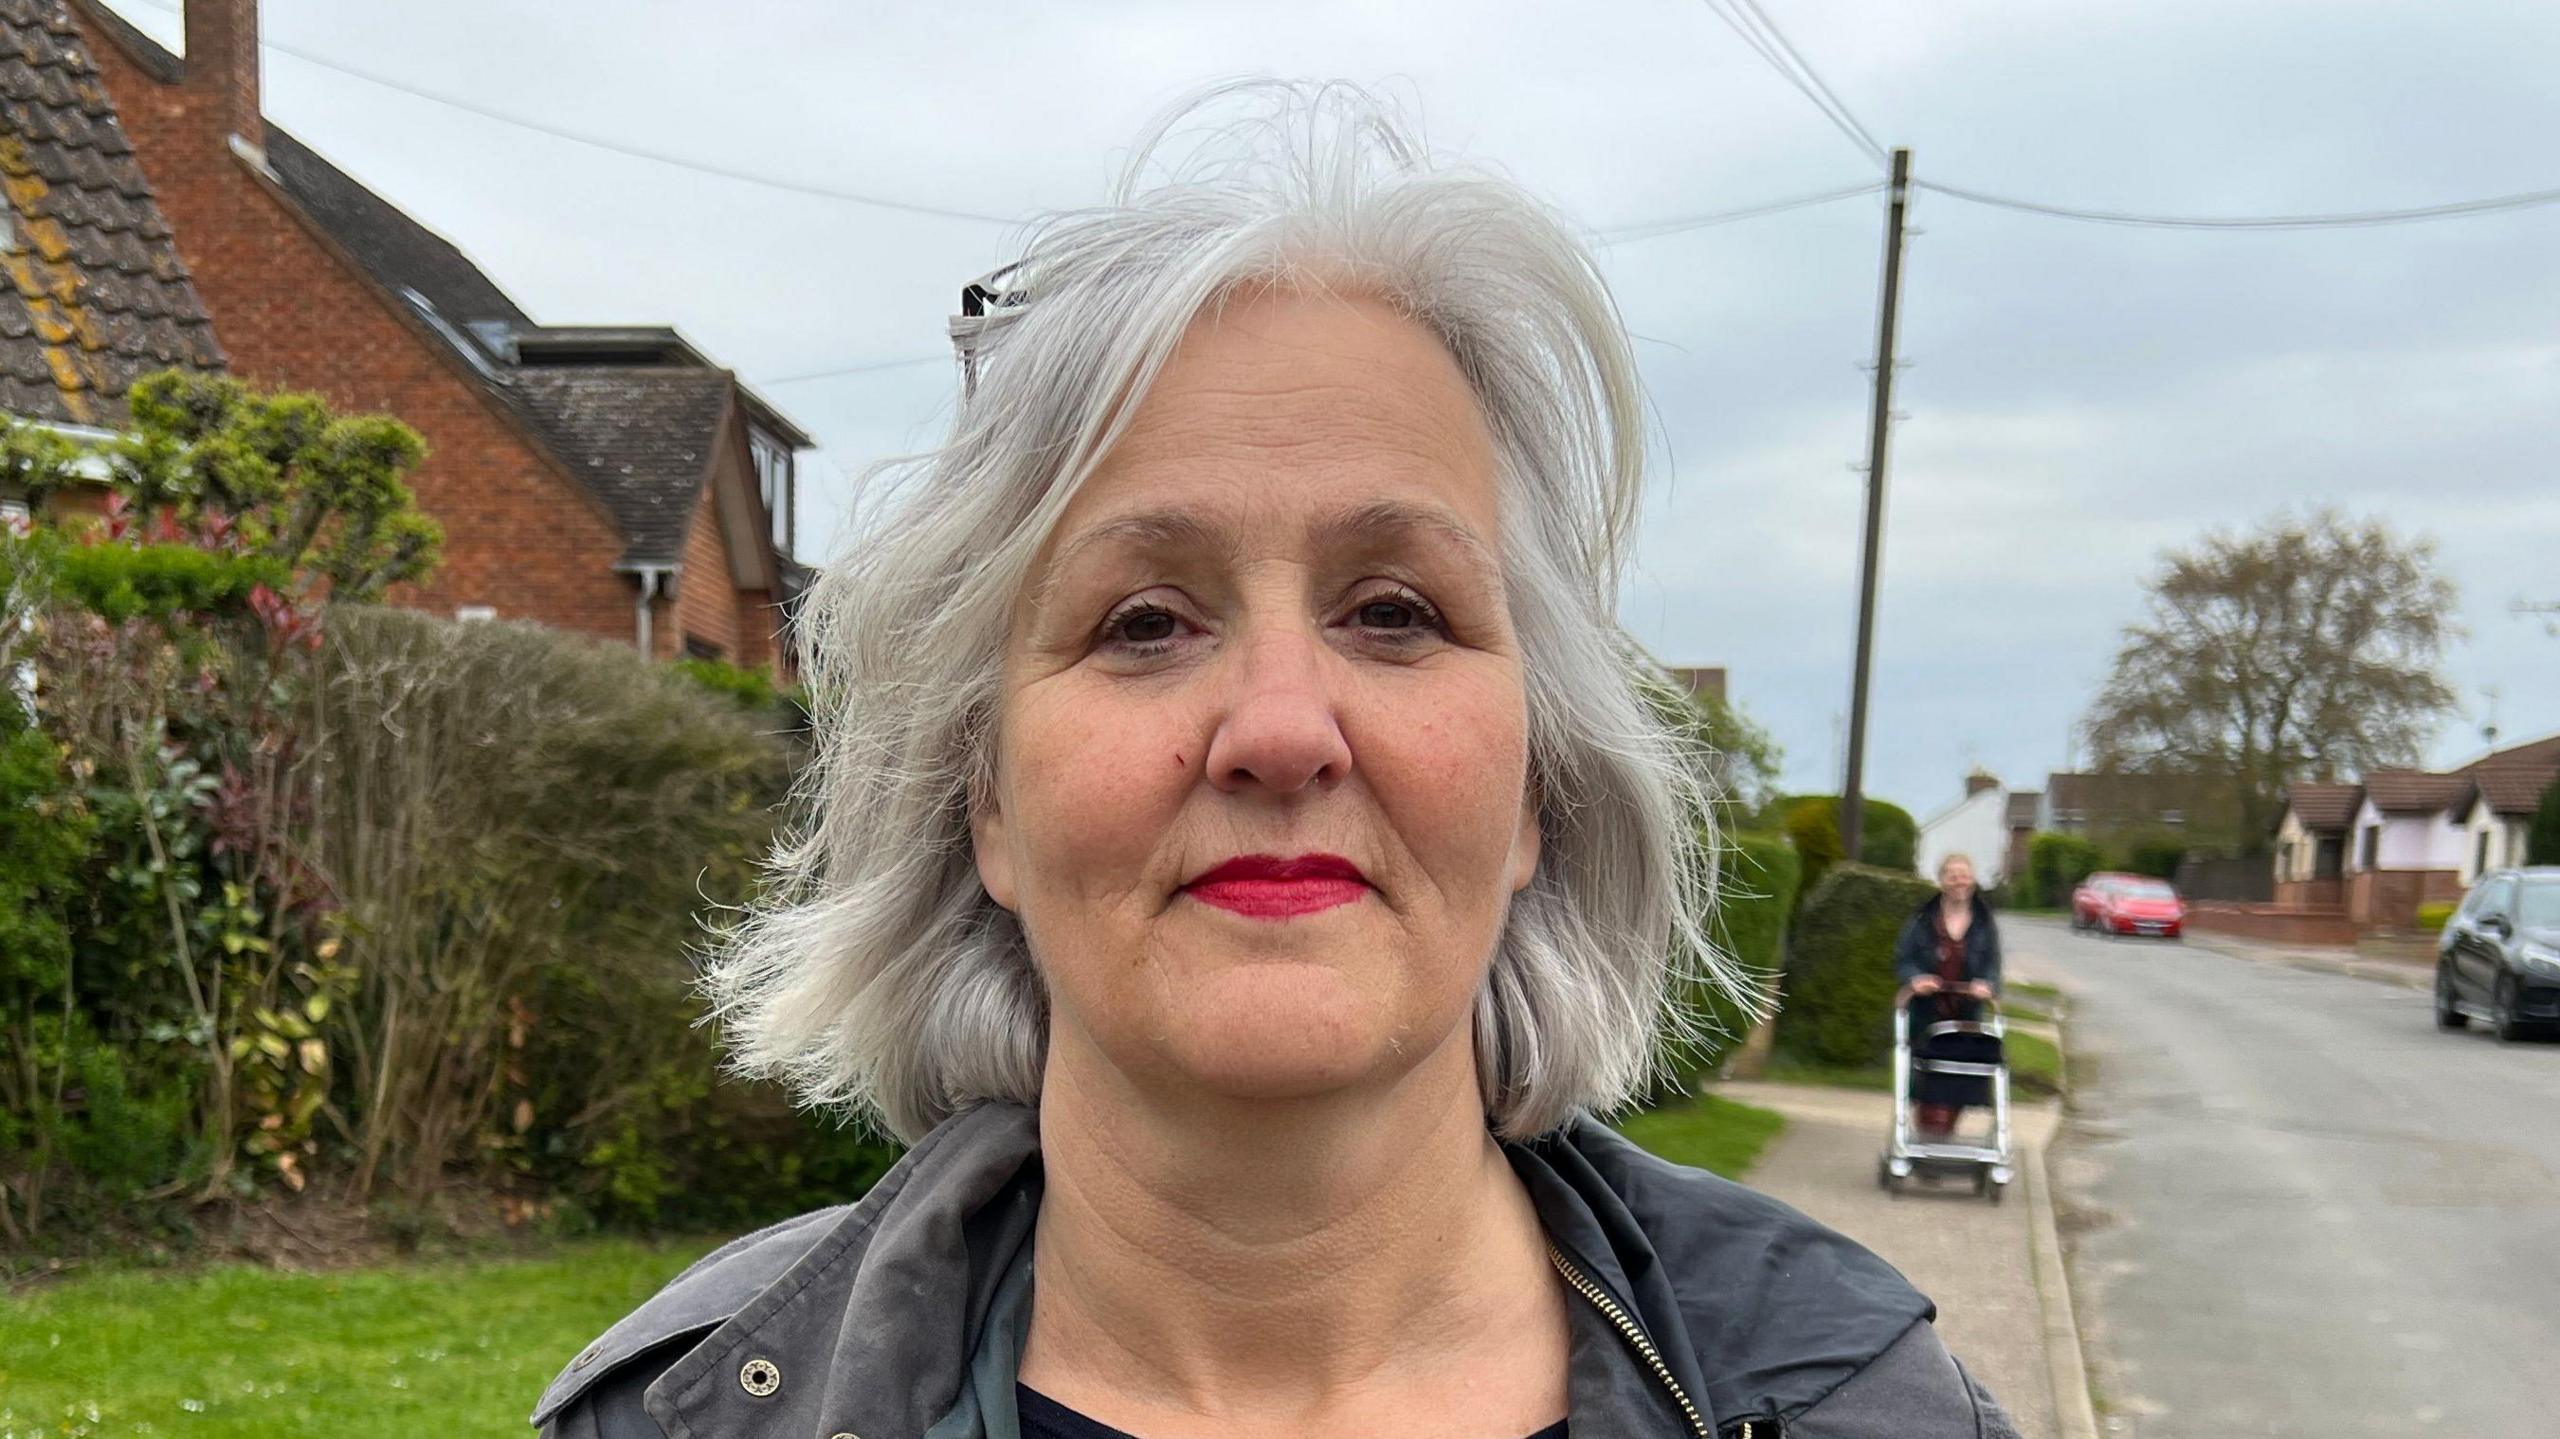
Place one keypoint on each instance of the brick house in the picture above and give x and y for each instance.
(603, 479)
(2023, 807)
(2102, 805)
(96, 294)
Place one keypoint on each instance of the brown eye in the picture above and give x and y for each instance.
(1388, 615)
(1143, 628)
(1399, 613)
(1147, 627)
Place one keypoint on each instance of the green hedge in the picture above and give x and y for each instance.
(122, 582)
(1756, 889)
(2155, 855)
(2056, 863)
(2542, 841)
(1839, 982)
(1890, 838)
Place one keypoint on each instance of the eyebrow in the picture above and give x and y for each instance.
(1172, 529)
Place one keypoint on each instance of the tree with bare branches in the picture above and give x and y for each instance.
(2307, 648)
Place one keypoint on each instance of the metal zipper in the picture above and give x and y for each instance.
(1635, 1337)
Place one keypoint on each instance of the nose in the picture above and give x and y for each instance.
(1280, 731)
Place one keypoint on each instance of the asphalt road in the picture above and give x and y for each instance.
(2296, 1208)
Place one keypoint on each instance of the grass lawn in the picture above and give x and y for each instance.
(1707, 1133)
(2033, 993)
(2035, 1070)
(449, 1348)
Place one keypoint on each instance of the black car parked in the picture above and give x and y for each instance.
(2499, 959)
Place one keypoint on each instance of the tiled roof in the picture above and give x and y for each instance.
(2129, 794)
(398, 252)
(2022, 808)
(2407, 791)
(96, 294)
(2545, 751)
(2324, 806)
(640, 437)
(2515, 787)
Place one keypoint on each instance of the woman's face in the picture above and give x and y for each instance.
(1955, 881)
(1262, 783)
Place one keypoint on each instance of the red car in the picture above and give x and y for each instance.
(2084, 900)
(2131, 904)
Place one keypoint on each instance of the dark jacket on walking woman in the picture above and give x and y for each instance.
(1916, 953)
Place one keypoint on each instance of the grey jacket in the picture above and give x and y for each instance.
(1706, 1310)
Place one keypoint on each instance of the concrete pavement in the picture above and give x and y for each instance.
(1976, 1259)
(1996, 1272)
(2296, 1207)
(2318, 959)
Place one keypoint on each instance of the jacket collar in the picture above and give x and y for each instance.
(901, 1317)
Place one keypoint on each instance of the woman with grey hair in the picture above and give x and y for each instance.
(1241, 863)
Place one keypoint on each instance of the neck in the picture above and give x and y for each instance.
(1278, 1266)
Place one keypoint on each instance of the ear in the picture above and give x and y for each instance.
(987, 845)
(1525, 841)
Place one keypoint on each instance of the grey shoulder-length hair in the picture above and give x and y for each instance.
(877, 978)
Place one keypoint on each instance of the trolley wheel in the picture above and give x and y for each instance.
(1884, 1174)
(1995, 1191)
(1982, 1181)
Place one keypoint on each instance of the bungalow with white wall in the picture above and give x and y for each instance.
(2311, 844)
(1976, 826)
(2405, 847)
(2377, 850)
(2498, 807)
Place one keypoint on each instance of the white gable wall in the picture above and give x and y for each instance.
(1977, 826)
(2405, 841)
(2505, 843)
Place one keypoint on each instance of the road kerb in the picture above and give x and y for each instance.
(2071, 1405)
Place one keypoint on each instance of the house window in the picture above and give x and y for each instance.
(2480, 854)
(773, 481)
(698, 648)
(2368, 839)
(472, 613)
(2173, 816)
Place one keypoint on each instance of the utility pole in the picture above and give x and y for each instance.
(1852, 800)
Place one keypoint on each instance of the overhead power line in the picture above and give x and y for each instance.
(861, 369)
(2352, 219)
(600, 142)
(1762, 34)
(1681, 224)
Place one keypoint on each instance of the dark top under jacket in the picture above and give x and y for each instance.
(1703, 1309)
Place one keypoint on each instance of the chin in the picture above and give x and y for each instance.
(1285, 1031)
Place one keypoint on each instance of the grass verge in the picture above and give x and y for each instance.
(458, 1348)
(2035, 1070)
(1707, 1132)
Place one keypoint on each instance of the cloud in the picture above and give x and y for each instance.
(2079, 397)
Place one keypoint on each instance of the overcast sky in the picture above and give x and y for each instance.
(2079, 396)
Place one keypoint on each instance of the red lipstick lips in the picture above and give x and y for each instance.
(1263, 886)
